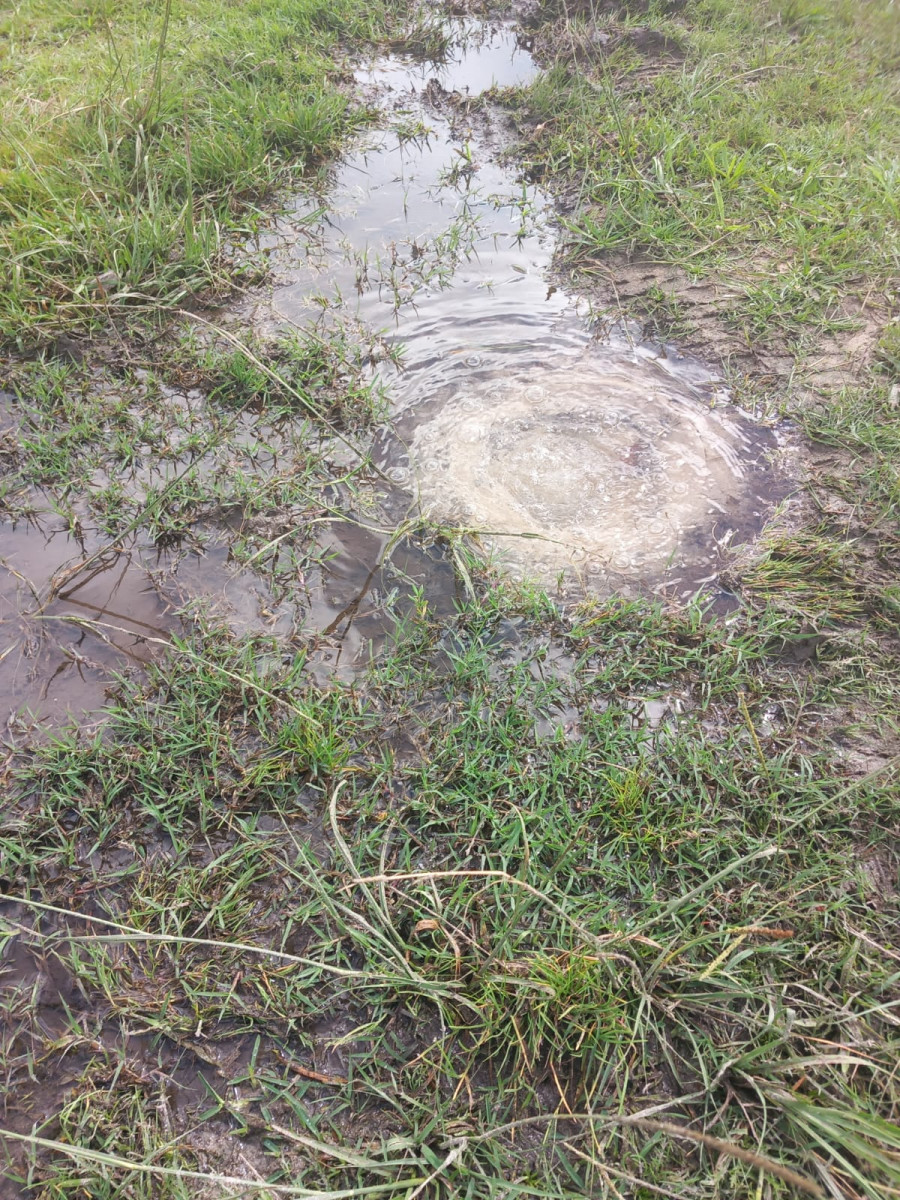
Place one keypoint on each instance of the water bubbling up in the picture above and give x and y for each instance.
(506, 410)
(623, 469)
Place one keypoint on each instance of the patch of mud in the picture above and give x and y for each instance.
(82, 1047)
(663, 295)
(879, 868)
(588, 43)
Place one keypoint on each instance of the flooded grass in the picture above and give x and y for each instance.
(337, 861)
(62, 645)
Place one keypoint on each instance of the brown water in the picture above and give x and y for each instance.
(620, 464)
(57, 656)
(622, 472)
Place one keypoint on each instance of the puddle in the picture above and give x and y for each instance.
(622, 464)
(57, 660)
(365, 585)
(608, 470)
(478, 57)
(338, 600)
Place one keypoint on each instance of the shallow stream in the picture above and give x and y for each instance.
(586, 463)
(616, 463)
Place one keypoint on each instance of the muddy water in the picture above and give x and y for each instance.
(57, 657)
(621, 472)
(616, 464)
(620, 464)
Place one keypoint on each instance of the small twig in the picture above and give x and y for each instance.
(315, 1076)
(801, 1182)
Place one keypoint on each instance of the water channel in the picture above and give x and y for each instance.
(587, 463)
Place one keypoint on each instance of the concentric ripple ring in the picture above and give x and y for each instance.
(610, 461)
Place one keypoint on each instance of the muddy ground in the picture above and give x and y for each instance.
(449, 690)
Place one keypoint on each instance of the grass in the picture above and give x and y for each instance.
(508, 925)
(304, 370)
(138, 141)
(760, 144)
(814, 577)
(551, 899)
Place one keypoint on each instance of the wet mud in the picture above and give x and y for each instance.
(47, 1009)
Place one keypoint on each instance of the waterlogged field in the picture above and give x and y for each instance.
(449, 589)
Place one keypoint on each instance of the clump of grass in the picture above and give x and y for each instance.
(301, 372)
(189, 437)
(888, 352)
(743, 159)
(126, 1123)
(546, 1008)
(807, 575)
(427, 37)
(863, 422)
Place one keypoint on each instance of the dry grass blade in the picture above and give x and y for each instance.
(86, 1155)
(801, 1182)
(127, 933)
(601, 1120)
